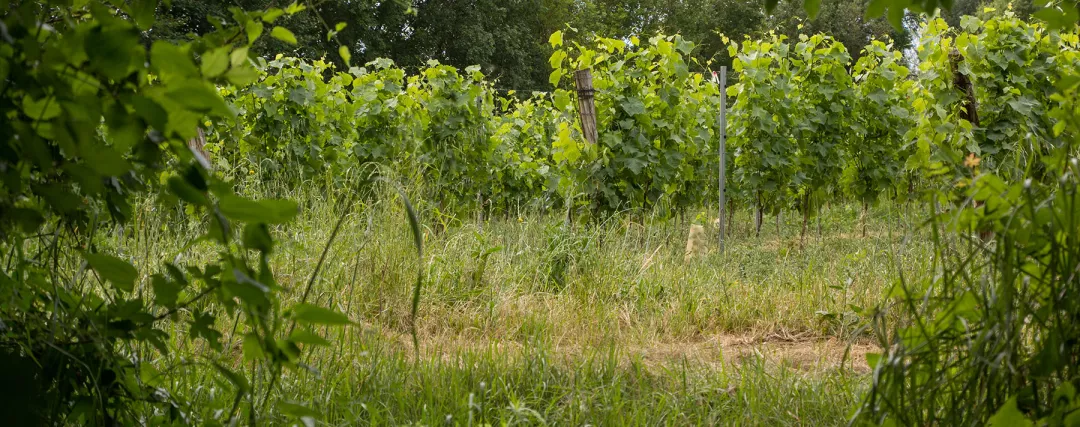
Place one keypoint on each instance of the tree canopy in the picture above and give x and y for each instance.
(508, 38)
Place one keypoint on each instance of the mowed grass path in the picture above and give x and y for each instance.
(524, 320)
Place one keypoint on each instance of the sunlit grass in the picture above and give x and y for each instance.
(600, 323)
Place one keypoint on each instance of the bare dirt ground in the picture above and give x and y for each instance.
(804, 354)
(808, 354)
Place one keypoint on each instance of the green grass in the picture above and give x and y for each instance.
(524, 321)
(537, 386)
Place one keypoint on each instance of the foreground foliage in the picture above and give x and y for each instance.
(95, 119)
(995, 330)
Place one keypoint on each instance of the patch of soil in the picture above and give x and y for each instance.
(812, 354)
(808, 354)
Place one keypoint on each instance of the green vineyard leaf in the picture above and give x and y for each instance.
(256, 211)
(120, 273)
(311, 314)
(283, 34)
(215, 62)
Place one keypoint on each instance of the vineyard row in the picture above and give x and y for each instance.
(805, 124)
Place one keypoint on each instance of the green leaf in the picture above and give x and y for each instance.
(283, 34)
(247, 289)
(272, 15)
(872, 359)
(253, 29)
(812, 8)
(124, 134)
(236, 379)
(556, 61)
(29, 220)
(257, 236)
(1009, 415)
(150, 111)
(289, 349)
(1053, 17)
(345, 55)
(175, 273)
(253, 348)
(1059, 128)
(303, 336)
(294, 8)
(875, 9)
(307, 313)
(110, 50)
(301, 96)
(554, 77)
(896, 17)
(243, 75)
(239, 57)
(199, 96)
(171, 62)
(195, 175)
(684, 46)
(266, 275)
(42, 109)
(414, 224)
(564, 147)
(340, 26)
(270, 211)
(203, 327)
(296, 410)
(215, 62)
(143, 13)
(1072, 419)
(633, 106)
(166, 292)
(187, 192)
(561, 100)
(556, 39)
(120, 273)
(106, 161)
(60, 198)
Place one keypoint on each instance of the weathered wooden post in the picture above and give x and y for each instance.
(587, 114)
(586, 105)
(723, 151)
(971, 106)
(197, 146)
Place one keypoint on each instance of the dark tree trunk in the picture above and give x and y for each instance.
(758, 217)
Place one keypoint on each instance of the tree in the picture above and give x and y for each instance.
(845, 20)
(986, 9)
(706, 22)
(703, 22)
(506, 38)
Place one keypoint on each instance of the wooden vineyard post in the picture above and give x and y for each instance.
(970, 113)
(586, 112)
(723, 151)
(197, 146)
(586, 106)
